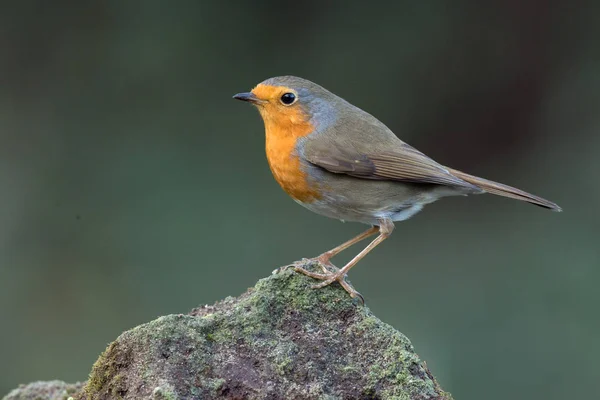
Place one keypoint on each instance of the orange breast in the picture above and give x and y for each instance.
(282, 135)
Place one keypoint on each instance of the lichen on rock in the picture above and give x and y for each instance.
(279, 340)
(52, 390)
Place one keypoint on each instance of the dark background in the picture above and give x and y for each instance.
(133, 186)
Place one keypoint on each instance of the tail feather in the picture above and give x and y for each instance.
(505, 190)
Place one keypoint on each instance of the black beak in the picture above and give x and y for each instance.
(249, 97)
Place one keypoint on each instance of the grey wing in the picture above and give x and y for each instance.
(401, 162)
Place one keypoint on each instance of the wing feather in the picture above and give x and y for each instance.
(404, 164)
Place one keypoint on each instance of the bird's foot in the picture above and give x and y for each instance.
(330, 274)
(329, 277)
(322, 261)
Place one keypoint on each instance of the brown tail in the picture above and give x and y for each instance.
(505, 190)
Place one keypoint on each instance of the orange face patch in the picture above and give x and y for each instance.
(284, 125)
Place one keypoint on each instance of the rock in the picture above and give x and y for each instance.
(279, 340)
(53, 390)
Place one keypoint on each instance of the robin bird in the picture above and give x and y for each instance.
(341, 162)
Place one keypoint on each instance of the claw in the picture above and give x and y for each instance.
(358, 296)
(309, 273)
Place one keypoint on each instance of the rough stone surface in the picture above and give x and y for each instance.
(279, 340)
(53, 390)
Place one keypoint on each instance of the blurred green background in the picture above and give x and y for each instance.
(134, 186)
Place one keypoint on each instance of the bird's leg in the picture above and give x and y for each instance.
(324, 259)
(385, 229)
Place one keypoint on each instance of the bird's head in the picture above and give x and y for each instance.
(288, 101)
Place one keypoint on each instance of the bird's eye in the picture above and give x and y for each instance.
(288, 98)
